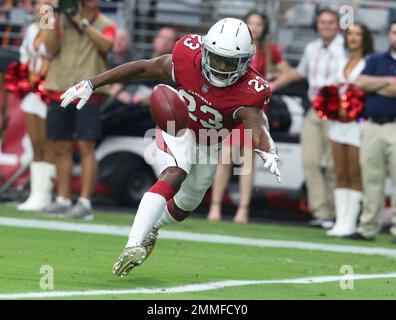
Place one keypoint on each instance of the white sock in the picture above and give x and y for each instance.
(150, 210)
(85, 202)
(63, 201)
(165, 219)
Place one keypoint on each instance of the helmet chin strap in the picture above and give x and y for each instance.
(213, 79)
(217, 82)
(223, 83)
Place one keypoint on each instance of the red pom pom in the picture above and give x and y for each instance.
(11, 77)
(352, 101)
(327, 102)
(17, 79)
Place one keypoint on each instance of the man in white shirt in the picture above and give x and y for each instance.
(319, 65)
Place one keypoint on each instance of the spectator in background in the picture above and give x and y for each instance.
(267, 56)
(129, 101)
(268, 59)
(79, 45)
(121, 51)
(320, 66)
(122, 42)
(163, 43)
(42, 169)
(378, 138)
(345, 137)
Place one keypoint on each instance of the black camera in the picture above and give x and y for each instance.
(69, 7)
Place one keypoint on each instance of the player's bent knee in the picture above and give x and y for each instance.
(174, 176)
(188, 203)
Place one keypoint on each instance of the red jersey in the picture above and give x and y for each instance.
(211, 107)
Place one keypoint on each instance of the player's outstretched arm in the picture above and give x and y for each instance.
(256, 120)
(157, 69)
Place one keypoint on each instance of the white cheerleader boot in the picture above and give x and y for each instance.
(341, 206)
(41, 185)
(351, 219)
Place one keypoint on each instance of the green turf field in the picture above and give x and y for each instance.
(83, 261)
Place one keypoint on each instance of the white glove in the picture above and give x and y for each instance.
(82, 91)
(271, 162)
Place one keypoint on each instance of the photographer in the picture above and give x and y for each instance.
(78, 44)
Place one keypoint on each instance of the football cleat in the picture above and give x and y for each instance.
(129, 258)
(150, 240)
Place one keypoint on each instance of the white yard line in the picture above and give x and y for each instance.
(194, 287)
(197, 237)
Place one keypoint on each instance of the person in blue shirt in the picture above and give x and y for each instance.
(378, 137)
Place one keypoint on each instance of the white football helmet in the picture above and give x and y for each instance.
(227, 49)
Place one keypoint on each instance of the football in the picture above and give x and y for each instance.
(168, 109)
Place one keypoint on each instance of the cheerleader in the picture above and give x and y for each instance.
(345, 137)
(42, 169)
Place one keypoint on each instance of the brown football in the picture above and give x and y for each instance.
(168, 109)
